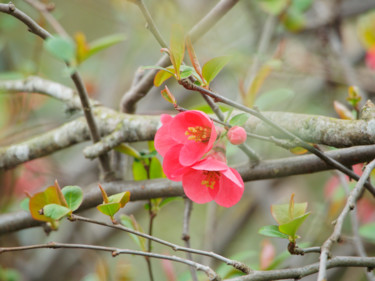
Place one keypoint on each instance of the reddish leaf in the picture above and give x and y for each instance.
(40, 199)
(194, 59)
(161, 76)
(267, 254)
(342, 111)
(168, 96)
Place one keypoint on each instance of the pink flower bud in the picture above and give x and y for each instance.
(236, 135)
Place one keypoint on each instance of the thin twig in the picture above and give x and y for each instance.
(335, 236)
(115, 251)
(218, 98)
(94, 131)
(235, 264)
(149, 242)
(300, 272)
(186, 235)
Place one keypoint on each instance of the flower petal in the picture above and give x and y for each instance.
(171, 166)
(229, 191)
(192, 152)
(163, 141)
(193, 188)
(210, 164)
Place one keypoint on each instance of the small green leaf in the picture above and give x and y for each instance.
(168, 200)
(162, 76)
(55, 211)
(139, 171)
(169, 69)
(177, 47)
(127, 149)
(146, 155)
(39, 200)
(281, 212)
(25, 204)
(73, 195)
(122, 198)
(168, 96)
(109, 209)
(213, 67)
(186, 71)
(291, 227)
(156, 169)
(272, 231)
(104, 43)
(367, 231)
(239, 119)
(60, 47)
(130, 222)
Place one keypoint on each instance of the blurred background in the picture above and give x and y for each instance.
(287, 55)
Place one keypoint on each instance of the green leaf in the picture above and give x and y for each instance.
(239, 119)
(139, 171)
(146, 155)
(55, 211)
(294, 20)
(156, 169)
(109, 209)
(104, 43)
(301, 5)
(272, 231)
(213, 67)
(60, 47)
(169, 69)
(291, 227)
(162, 76)
(366, 29)
(127, 149)
(73, 195)
(122, 198)
(282, 215)
(207, 109)
(39, 200)
(186, 71)
(177, 47)
(273, 7)
(25, 204)
(168, 200)
(130, 222)
(367, 231)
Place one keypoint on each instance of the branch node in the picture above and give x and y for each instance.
(115, 253)
(12, 7)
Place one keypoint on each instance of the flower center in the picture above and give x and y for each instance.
(211, 178)
(198, 133)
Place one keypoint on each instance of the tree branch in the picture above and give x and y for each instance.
(298, 273)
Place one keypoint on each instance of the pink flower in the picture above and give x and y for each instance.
(236, 135)
(192, 129)
(207, 180)
(211, 179)
(370, 58)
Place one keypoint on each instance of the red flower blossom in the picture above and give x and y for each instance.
(370, 58)
(211, 179)
(192, 129)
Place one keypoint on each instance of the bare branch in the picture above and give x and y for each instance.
(298, 273)
(115, 252)
(335, 236)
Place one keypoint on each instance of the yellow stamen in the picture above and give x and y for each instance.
(198, 134)
(211, 178)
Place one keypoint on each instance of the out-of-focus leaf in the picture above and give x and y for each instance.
(11, 75)
(73, 196)
(156, 169)
(342, 111)
(55, 212)
(367, 231)
(25, 204)
(273, 7)
(366, 29)
(301, 5)
(82, 46)
(165, 201)
(294, 20)
(207, 109)
(60, 47)
(239, 119)
(139, 171)
(353, 96)
(127, 149)
(104, 43)
(130, 222)
(162, 76)
(177, 47)
(272, 231)
(40, 199)
(298, 150)
(291, 227)
(267, 254)
(212, 68)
